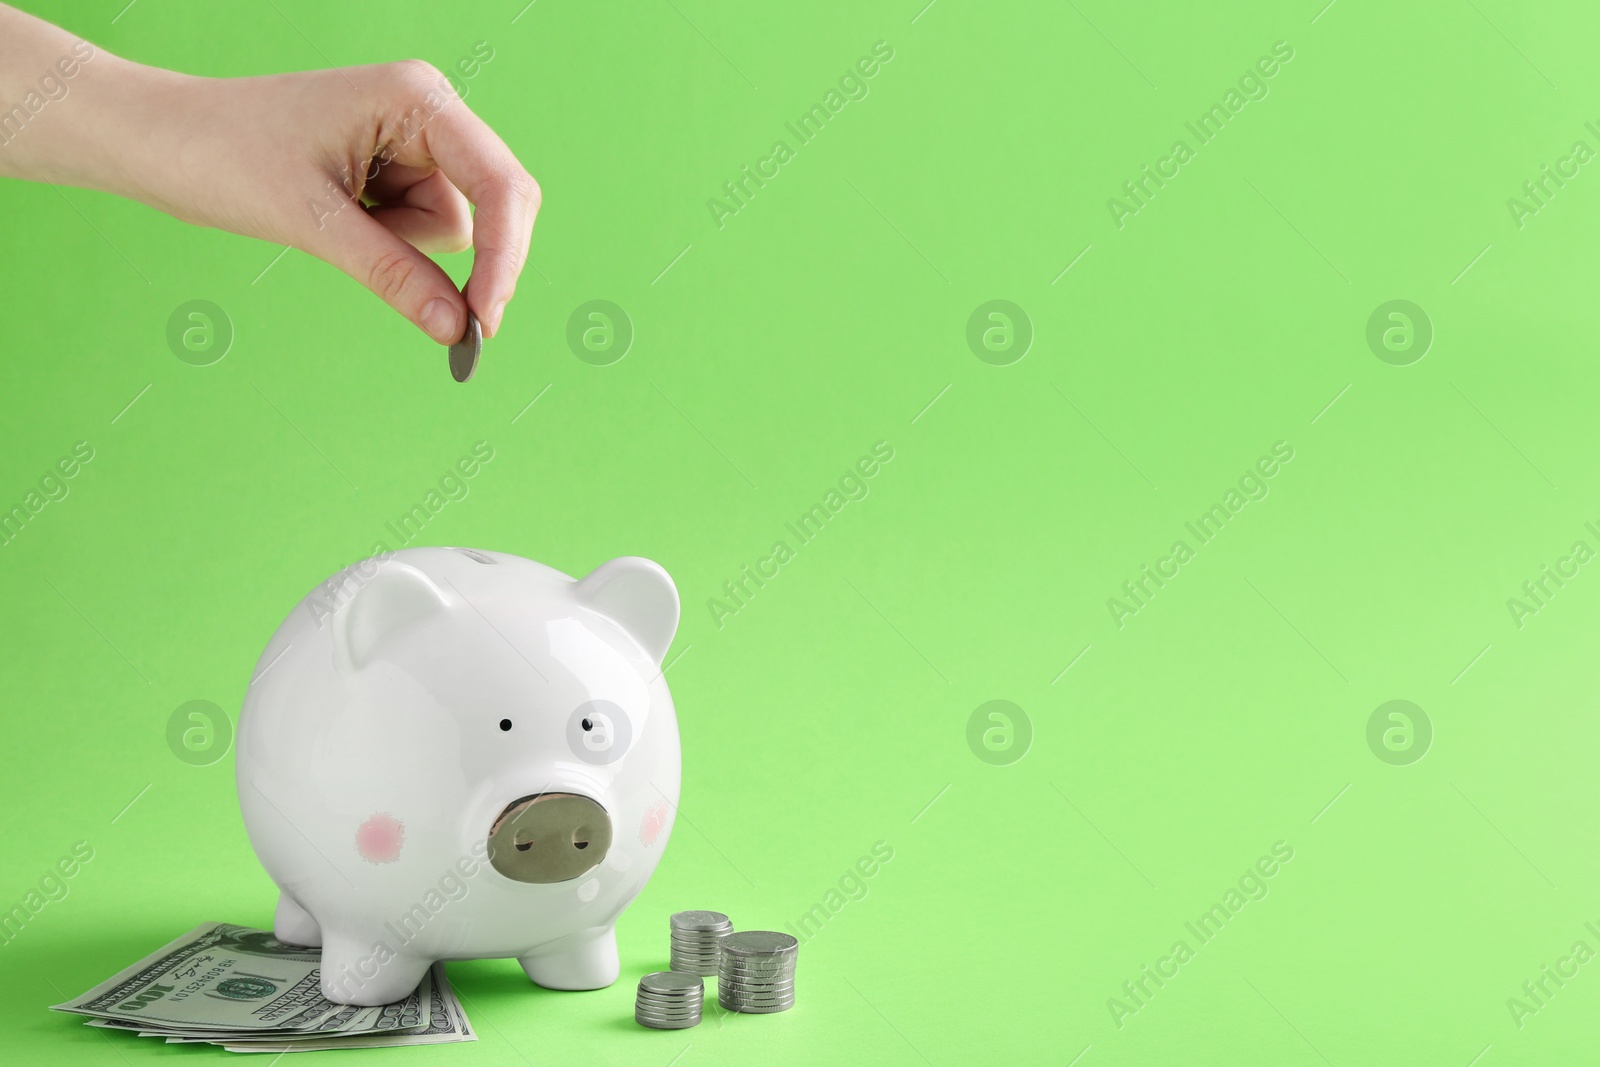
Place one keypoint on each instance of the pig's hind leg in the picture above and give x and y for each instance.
(584, 960)
(353, 974)
(293, 925)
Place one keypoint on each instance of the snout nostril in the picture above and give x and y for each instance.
(545, 838)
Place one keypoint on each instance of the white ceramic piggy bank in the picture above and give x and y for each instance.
(454, 754)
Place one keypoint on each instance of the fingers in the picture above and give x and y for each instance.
(427, 212)
(479, 164)
(403, 277)
(434, 157)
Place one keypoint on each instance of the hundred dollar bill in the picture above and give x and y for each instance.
(413, 1013)
(449, 1024)
(231, 981)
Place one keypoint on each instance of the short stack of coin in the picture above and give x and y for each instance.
(669, 1000)
(756, 974)
(697, 941)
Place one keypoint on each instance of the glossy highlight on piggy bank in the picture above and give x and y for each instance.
(454, 754)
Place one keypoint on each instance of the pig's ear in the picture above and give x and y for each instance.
(395, 597)
(639, 596)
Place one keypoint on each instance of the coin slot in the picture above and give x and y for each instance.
(523, 846)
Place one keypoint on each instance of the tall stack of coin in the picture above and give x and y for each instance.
(697, 941)
(669, 1000)
(756, 974)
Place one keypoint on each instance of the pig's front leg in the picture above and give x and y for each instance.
(352, 973)
(584, 960)
(293, 925)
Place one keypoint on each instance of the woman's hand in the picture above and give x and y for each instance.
(367, 168)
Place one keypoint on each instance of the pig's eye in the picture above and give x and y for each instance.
(505, 724)
(588, 724)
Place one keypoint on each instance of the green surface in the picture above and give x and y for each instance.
(1172, 747)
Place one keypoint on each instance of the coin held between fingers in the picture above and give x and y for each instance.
(465, 352)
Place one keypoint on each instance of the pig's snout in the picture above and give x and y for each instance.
(549, 837)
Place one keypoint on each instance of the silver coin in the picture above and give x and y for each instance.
(762, 999)
(741, 974)
(646, 996)
(756, 1009)
(658, 1012)
(666, 1024)
(707, 970)
(465, 352)
(700, 920)
(758, 985)
(679, 996)
(765, 999)
(761, 1011)
(765, 959)
(760, 943)
(768, 991)
(735, 974)
(757, 963)
(757, 999)
(674, 994)
(671, 981)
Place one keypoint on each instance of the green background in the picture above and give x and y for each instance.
(831, 712)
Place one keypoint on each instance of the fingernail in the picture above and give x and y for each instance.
(496, 313)
(439, 318)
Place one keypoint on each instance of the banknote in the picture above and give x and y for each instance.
(349, 1019)
(449, 1024)
(245, 990)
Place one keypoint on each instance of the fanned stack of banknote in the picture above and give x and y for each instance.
(248, 992)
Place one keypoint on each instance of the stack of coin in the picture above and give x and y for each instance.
(697, 941)
(669, 1000)
(756, 974)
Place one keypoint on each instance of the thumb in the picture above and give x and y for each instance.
(401, 276)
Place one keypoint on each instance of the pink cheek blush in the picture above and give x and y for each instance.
(654, 821)
(380, 837)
